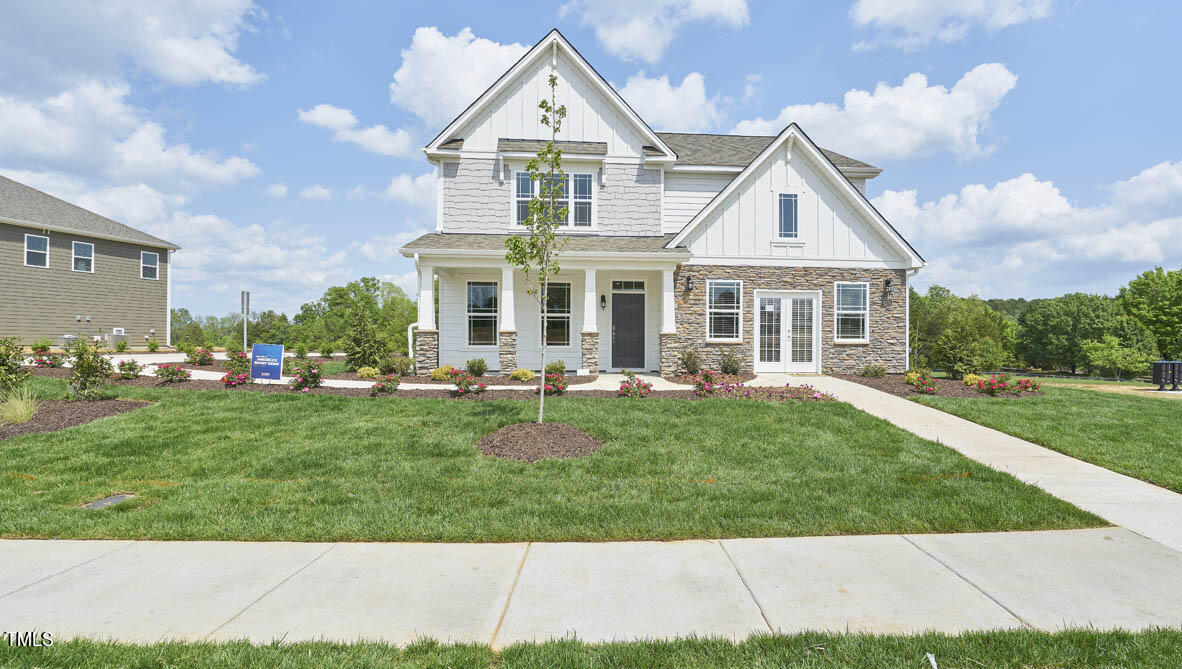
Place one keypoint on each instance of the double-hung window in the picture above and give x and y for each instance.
(723, 300)
(523, 193)
(558, 314)
(36, 251)
(787, 211)
(581, 200)
(482, 313)
(852, 312)
(83, 257)
(573, 193)
(149, 265)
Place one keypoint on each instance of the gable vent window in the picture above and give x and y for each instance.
(83, 257)
(36, 251)
(787, 208)
(149, 265)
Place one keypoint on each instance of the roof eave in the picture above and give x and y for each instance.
(158, 244)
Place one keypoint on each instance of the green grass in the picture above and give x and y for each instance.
(1075, 381)
(249, 466)
(1133, 435)
(1019, 648)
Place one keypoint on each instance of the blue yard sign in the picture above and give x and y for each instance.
(266, 361)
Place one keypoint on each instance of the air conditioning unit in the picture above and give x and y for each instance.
(117, 331)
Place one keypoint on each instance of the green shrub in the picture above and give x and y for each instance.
(385, 385)
(557, 367)
(924, 382)
(368, 373)
(874, 370)
(442, 373)
(237, 363)
(397, 364)
(41, 345)
(307, 375)
(17, 405)
(911, 377)
(466, 383)
(691, 361)
(185, 347)
(704, 383)
(363, 346)
(729, 363)
(121, 346)
(476, 367)
(128, 370)
(90, 371)
(971, 379)
(12, 356)
(200, 356)
(633, 387)
(153, 346)
(173, 373)
(327, 347)
(300, 350)
(521, 375)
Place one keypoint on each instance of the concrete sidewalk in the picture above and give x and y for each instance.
(1142, 507)
(502, 593)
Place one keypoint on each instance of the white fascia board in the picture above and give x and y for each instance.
(497, 256)
(707, 169)
(763, 261)
(71, 231)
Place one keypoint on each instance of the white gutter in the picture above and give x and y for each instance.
(670, 255)
(168, 303)
(82, 233)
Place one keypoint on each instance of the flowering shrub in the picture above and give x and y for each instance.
(47, 360)
(1002, 384)
(923, 381)
(385, 385)
(704, 383)
(237, 363)
(789, 393)
(173, 373)
(91, 370)
(634, 387)
(466, 384)
(41, 346)
(1027, 386)
(200, 357)
(128, 370)
(232, 380)
(554, 384)
(307, 375)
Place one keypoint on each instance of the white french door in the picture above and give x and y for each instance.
(786, 331)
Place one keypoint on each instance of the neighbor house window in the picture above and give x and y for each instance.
(852, 311)
(83, 257)
(558, 314)
(149, 265)
(787, 207)
(577, 203)
(36, 251)
(482, 313)
(722, 309)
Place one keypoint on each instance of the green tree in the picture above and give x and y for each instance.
(1109, 354)
(1155, 299)
(268, 327)
(1051, 332)
(536, 253)
(364, 347)
(396, 313)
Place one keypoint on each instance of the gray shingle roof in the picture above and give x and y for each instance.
(25, 204)
(532, 146)
(731, 150)
(456, 241)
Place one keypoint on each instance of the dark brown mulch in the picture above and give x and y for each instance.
(893, 384)
(530, 442)
(54, 415)
(571, 380)
(51, 372)
(719, 377)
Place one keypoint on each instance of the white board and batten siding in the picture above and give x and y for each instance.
(746, 224)
(686, 194)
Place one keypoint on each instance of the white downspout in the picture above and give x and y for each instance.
(410, 337)
(168, 303)
(907, 329)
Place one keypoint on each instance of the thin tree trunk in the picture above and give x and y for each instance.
(542, 339)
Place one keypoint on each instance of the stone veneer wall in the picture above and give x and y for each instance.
(590, 356)
(426, 351)
(888, 315)
(507, 348)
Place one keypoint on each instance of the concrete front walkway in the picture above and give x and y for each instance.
(498, 594)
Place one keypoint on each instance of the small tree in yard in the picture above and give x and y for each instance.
(1108, 353)
(536, 253)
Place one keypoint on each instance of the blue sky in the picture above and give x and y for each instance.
(1030, 147)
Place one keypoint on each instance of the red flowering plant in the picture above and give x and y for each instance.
(385, 385)
(924, 383)
(633, 387)
(47, 360)
(1027, 386)
(1002, 384)
(127, 370)
(200, 356)
(306, 376)
(232, 380)
(237, 362)
(465, 382)
(789, 393)
(555, 384)
(173, 373)
(704, 383)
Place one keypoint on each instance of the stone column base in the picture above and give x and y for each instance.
(507, 348)
(670, 354)
(426, 351)
(590, 356)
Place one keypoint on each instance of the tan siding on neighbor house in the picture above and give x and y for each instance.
(44, 302)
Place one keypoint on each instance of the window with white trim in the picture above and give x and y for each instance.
(83, 257)
(36, 251)
(578, 202)
(581, 200)
(723, 309)
(787, 207)
(524, 192)
(149, 265)
(558, 314)
(482, 313)
(851, 311)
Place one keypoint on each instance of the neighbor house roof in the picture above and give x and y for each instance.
(532, 146)
(733, 150)
(456, 241)
(27, 206)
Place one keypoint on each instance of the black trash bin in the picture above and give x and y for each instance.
(1167, 372)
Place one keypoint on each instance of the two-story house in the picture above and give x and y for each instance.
(763, 246)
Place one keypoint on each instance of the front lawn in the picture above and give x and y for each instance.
(250, 466)
(1133, 435)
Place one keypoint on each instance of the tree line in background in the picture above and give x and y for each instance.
(1076, 332)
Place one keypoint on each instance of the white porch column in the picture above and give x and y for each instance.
(508, 308)
(590, 303)
(426, 297)
(668, 323)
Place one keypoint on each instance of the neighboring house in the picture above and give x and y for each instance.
(66, 270)
(763, 246)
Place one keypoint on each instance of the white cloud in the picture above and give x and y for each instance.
(416, 191)
(911, 119)
(913, 24)
(440, 75)
(684, 107)
(408, 282)
(316, 192)
(375, 138)
(145, 153)
(1023, 237)
(384, 248)
(751, 84)
(277, 191)
(643, 30)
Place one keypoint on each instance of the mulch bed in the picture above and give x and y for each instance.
(54, 415)
(571, 380)
(893, 384)
(530, 442)
(719, 377)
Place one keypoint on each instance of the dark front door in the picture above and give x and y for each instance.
(628, 330)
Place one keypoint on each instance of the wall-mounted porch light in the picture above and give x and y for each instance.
(602, 302)
(689, 283)
(886, 283)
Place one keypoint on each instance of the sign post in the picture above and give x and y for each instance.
(266, 361)
(245, 315)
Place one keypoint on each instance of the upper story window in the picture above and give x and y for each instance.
(149, 265)
(482, 313)
(852, 312)
(36, 251)
(723, 309)
(581, 210)
(558, 314)
(83, 257)
(578, 202)
(523, 193)
(787, 212)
